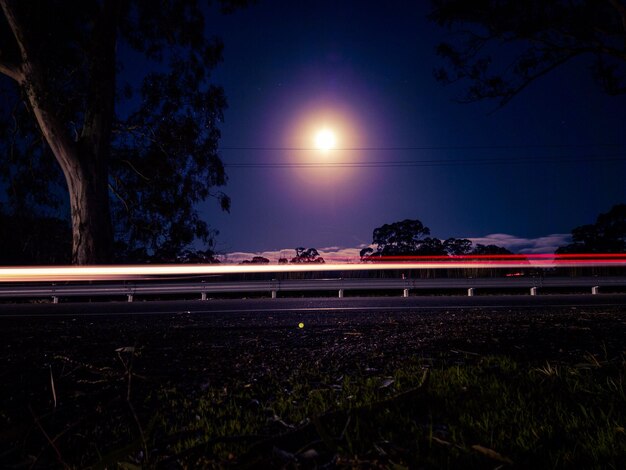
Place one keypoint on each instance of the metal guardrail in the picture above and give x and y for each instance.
(273, 287)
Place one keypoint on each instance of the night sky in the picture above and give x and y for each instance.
(532, 171)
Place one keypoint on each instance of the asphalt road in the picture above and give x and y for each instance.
(360, 304)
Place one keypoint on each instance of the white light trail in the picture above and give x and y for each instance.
(137, 272)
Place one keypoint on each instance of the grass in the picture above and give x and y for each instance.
(301, 411)
(491, 412)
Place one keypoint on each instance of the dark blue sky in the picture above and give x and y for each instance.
(365, 68)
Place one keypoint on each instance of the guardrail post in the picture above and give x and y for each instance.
(470, 292)
(130, 297)
(595, 290)
(203, 296)
(341, 293)
(533, 291)
(405, 293)
(55, 299)
(273, 294)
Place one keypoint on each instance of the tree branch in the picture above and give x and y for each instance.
(49, 124)
(532, 78)
(13, 24)
(135, 169)
(114, 191)
(12, 71)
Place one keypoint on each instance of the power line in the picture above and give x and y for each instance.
(433, 147)
(425, 163)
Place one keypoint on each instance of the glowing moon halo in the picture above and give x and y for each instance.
(325, 140)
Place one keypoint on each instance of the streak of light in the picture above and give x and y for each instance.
(513, 256)
(138, 272)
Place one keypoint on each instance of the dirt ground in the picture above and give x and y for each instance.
(57, 371)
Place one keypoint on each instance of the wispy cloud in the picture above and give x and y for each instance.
(546, 244)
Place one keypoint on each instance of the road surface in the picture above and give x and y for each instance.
(364, 304)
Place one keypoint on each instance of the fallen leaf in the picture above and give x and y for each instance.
(309, 454)
(441, 441)
(492, 454)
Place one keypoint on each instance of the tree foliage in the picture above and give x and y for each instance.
(306, 255)
(256, 260)
(405, 238)
(606, 235)
(489, 250)
(408, 237)
(501, 46)
(411, 238)
(111, 102)
(457, 246)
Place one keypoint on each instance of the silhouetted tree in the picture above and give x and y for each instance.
(489, 250)
(256, 260)
(399, 238)
(405, 238)
(534, 37)
(432, 247)
(606, 235)
(310, 255)
(457, 246)
(71, 124)
(366, 253)
(408, 238)
(197, 257)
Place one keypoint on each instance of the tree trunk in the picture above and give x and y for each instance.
(84, 162)
(89, 203)
(89, 197)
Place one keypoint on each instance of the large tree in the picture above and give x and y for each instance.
(501, 46)
(306, 255)
(410, 237)
(405, 238)
(109, 101)
(606, 235)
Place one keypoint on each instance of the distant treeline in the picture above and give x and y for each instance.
(45, 240)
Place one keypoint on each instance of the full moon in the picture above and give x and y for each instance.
(325, 140)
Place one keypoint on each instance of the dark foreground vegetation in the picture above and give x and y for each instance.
(464, 388)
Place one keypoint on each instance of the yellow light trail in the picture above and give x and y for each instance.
(138, 272)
